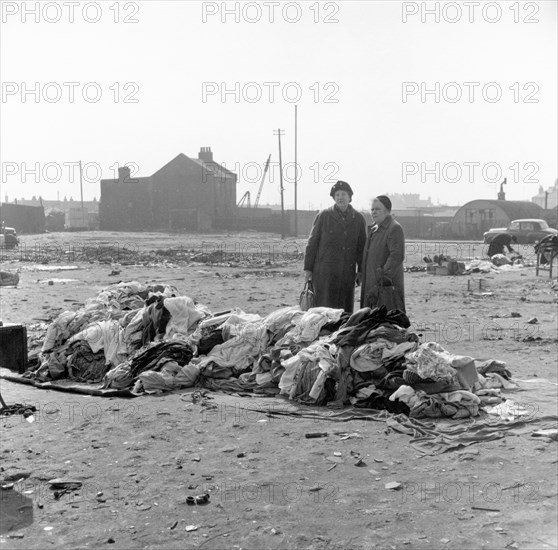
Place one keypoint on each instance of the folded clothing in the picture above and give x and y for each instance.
(455, 404)
(493, 365)
(368, 357)
(83, 364)
(357, 328)
(432, 361)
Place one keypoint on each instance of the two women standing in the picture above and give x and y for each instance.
(339, 254)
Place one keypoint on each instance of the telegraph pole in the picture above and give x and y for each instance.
(279, 133)
(296, 178)
(81, 190)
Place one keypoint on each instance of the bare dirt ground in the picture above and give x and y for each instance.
(139, 459)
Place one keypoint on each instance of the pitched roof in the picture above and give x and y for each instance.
(211, 167)
(215, 168)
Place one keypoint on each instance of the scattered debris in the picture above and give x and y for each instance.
(8, 278)
(345, 435)
(68, 484)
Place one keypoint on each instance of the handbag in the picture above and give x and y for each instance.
(307, 298)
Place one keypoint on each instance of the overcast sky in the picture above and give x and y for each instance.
(163, 78)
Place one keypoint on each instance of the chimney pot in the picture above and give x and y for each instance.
(205, 154)
(124, 173)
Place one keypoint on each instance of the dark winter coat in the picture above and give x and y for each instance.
(384, 248)
(334, 254)
(498, 243)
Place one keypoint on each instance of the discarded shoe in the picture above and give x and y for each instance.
(202, 499)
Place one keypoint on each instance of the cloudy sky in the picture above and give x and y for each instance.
(444, 99)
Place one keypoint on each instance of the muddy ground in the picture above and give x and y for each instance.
(139, 459)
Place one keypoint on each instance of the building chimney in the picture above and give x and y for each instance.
(502, 194)
(124, 173)
(205, 154)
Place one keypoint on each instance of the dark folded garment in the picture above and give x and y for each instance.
(367, 319)
(148, 359)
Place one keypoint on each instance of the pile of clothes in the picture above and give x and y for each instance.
(109, 329)
(150, 339)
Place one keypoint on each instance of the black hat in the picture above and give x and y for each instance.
(341, 186)
(385, 201)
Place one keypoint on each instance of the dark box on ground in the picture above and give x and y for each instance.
(13, 347)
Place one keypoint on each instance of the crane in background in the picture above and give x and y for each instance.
(262, 182)
(245, 199)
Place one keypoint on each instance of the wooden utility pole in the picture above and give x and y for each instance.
(279, 133)
(81, 191)
(296, 178)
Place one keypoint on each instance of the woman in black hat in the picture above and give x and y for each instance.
(384, 253)
(334, 251)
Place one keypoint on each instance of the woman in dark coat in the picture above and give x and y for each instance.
(384, 253)
(334, 252)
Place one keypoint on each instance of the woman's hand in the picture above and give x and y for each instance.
(358, 278)
(307, 276)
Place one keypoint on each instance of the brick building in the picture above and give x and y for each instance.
(185, 194)
(23, 218)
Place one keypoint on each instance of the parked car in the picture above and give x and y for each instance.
(8, 237)
(527, 231)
